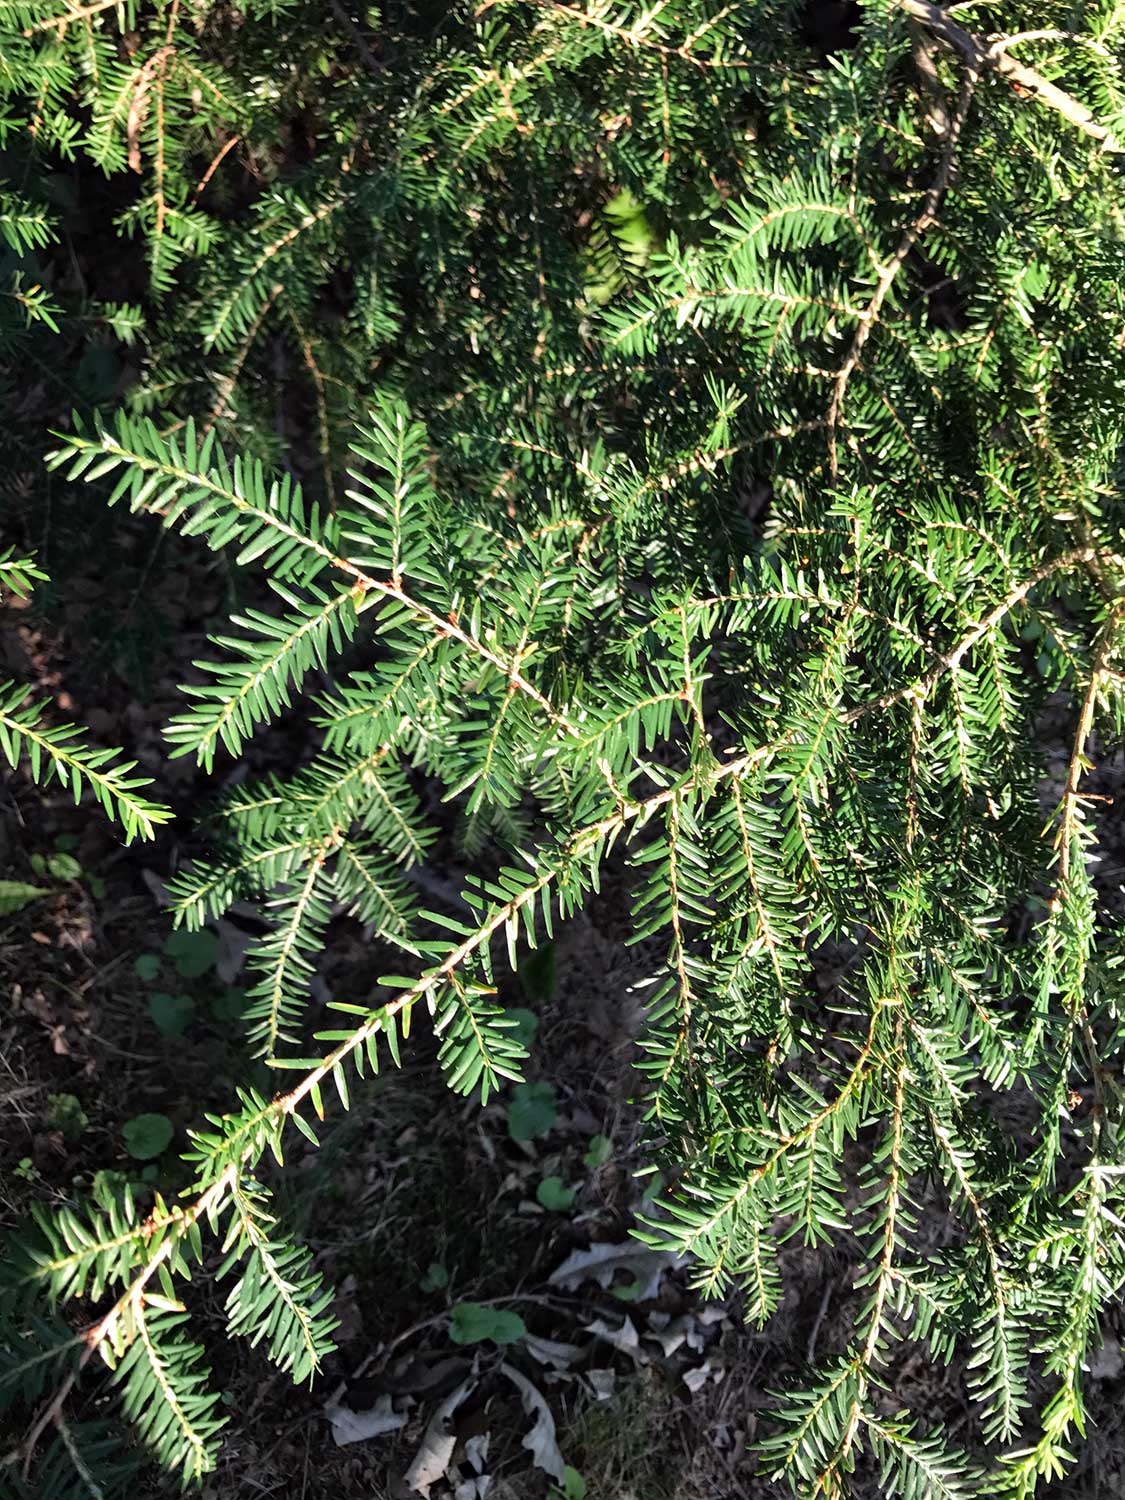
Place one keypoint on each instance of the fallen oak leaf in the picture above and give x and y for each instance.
(473, 1489)
(540, 1441)
(672, 1333)
(358, 1426)
(697, 1378)
(625, 1339)
(602, 1261)
(550, 1352)
(435, 1452)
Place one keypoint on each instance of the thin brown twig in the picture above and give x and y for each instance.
(134, 121)
(321, 397)
(889, 273)
(952, 660)
(1078, 764)
(1065, 840)
(230, 379)
(216, 161)
(630, 35)
(159, 170)
(370, 61)
(993, 56)
(78, 13)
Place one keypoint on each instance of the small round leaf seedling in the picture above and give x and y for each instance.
(193, 953)
(146, 966)
(554, 1195)
(171, 1013)
(601, 1149)
(146, 1136)
(473, 1323)
(436, 1278)
(532, 1112)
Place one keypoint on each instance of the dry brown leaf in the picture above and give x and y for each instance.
(435, 1452)
(626, 1338)
(1107, 1363)
(548, 1352)
(673, 1333)
(138, 105)
(358, 1426)
(602, 1262)
(540, 1441)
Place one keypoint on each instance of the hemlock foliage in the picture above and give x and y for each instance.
(715, 463)
(56, 752)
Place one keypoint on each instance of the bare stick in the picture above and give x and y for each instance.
(370, 61)
(889, 272)
(988, 56)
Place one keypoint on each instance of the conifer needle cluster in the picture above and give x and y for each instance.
(710, 471)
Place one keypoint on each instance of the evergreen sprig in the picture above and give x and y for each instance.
(715, 458)
(58, 752)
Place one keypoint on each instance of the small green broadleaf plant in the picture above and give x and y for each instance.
(472, 1323)
(804, 711)
(56, 752)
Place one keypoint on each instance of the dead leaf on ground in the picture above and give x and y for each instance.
(357, 1426)
(422, 1375)
(557, 1356)
(435, 1452)
(1107, 1363)
(476, 1450)
(673, 1333)
(540, 1441)
(234, 942)
(479, 1484)
(601, 1262)
(349, 1319)
(696, 1379)
(626, 1339)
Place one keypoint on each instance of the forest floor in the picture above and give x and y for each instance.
(419, 1202)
